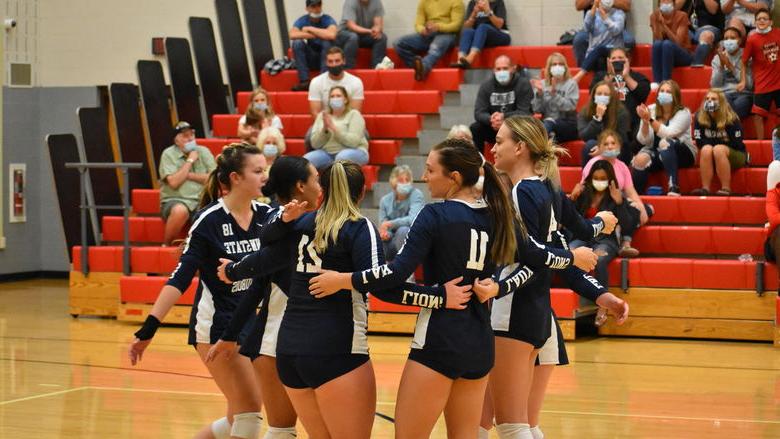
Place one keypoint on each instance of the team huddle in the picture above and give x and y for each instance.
(486, 335)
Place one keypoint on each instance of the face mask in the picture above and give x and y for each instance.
(480, 183)
(618, 66)
(607, 4)
(315, 15)
(261, 106)
(601, 99)
(502, 76)
(610, 153)
(731, 45)
(336, 70)
(711, 106)
(764, 31)
(336, 103)
(600, 185)
(664, 98)
(190, 146)
(557, 71)
(270, 150)
(666, 8)
(403, 188)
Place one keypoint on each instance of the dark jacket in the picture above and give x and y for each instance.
(631, 98)
(589, 128)
(513, 99)
(730, 135)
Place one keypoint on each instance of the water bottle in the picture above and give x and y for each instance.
(745, 257)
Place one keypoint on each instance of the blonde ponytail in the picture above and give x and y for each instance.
(544, 152)
(342, 185)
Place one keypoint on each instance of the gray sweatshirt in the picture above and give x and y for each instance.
(561, 105)
(727, 80)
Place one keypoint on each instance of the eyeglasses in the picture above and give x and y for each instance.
(763, 19)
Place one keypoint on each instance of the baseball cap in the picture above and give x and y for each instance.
(181, 127)
(313, 3)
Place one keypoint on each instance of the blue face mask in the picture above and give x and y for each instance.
(270, 150)
(601, 99)
(190, 146)
(666, 8)
(730, 45)
(503, 76)
(336, 103)
(403, 188)
(766, 30)
(610, 153)
(262, 106)
(664, 98)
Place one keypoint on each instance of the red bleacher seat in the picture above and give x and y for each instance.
(440, 79)
(371, 173)
(158, 260)
(145, 289)
(376, 101)
(146, 201)
(390, 126)
(642, 55)
(565, 302)
(107, 258)
(704, 240)
(693, 273)
(142, 229)
(707, 210)
(383, 152)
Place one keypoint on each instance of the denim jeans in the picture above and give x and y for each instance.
(671, 159)
(741, 102)
(409, 46)
(596, 60)
(666, 56)
(610, 248)
(320, 159)
(580, 44)
(309, 56)
(484, 35)
(350, 41)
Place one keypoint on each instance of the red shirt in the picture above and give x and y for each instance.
(765, 50)
(773, 208)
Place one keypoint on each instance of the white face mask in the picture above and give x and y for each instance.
(557, 70)
(601, 99)
(503, 76)
(765, 30)
(600, 185)
(315, 15)
(270, 150)
(607, 4)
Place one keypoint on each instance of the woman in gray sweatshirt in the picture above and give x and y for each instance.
(727, 68)
(555, 97)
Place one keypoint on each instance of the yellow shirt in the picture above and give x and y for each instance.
(448, 14)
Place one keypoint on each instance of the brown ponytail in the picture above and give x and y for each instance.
(230, 160)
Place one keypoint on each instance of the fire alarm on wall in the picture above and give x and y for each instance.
(158, 46)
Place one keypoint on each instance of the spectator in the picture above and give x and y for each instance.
(249, 125)
(338, 133)
(706, 29)
(398, 209)
(727, 69)
(772, 243)
(362, 23)
(601, 193)
(260, 102)
(484, 27)
(609, 150)
(665, 133)
(741, 13)
(460, 132)
(556, 97)
(321, 85)
(603, 111)
(763, 48)
(184, 168)
(436, 26)
(671, 42)
(581, 40)
(605, 25)
(718, 135)
(632, 89)
(506, 94)
(271, 143)
(312, 36)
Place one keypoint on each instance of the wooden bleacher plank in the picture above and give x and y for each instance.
(757, 330)
(125, 102)
(96, 294)
(157, 106)
(186, 94)
(137, 312)
(204, 47)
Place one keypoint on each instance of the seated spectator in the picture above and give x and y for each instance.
(271, 143)
(763, 48)
(506, 94)
(741, 13)
(398, 209)
(727, 69)
(184, 168)
(632, 89)
(362, 23)
(609, 150)
(555, 98)
(436, 26)
(312, 35)
(665, 133)
(707, 22)
(460, 132)
(603, 111)
(581, 40)
(485, 26)
(338, 133)
(671, 42)
(601, 193)
(605, 25)
(772, 243)
(249, 125)
(718, 135)
(260, 102)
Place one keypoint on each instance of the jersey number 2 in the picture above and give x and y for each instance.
(304, 267)
(478, 250)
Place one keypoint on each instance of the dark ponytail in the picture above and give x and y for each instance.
(230, 160)
(461, 156)
(286, 172)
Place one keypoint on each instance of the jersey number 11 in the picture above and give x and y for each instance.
(477, 251)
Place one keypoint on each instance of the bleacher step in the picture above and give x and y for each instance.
(429, 137)
(452, 115)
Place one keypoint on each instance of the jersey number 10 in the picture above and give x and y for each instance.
(477, 251)
(305, 267)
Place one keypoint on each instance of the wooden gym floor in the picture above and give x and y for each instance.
(70, 378)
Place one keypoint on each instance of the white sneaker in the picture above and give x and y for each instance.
(385, 64)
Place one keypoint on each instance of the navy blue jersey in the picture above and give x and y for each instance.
(451, 239)
(215, 234)
(525, 314)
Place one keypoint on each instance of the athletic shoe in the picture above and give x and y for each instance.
(301, 86)
(674, 191)
(419, 69)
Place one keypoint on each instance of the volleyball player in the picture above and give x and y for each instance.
(464, 236)
(226, 227)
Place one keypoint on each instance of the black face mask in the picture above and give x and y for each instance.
(336, 70)
(618, 66)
